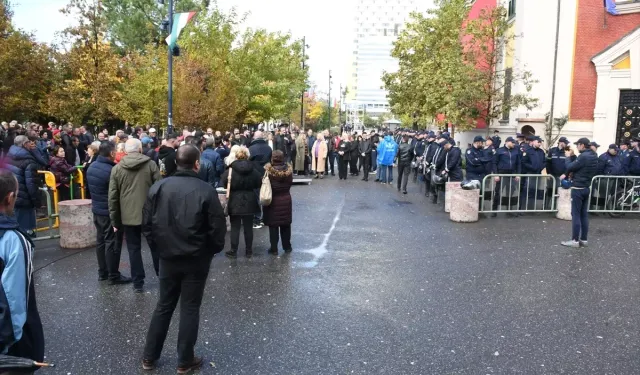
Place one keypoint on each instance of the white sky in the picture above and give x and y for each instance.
(327, 25)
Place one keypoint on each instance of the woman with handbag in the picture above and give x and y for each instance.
(319, 155)
(242, 181)
(279, 214)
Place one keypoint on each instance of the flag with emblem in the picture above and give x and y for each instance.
(180, 20)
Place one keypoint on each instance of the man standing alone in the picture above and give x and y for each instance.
(187, 226)
(128, 188)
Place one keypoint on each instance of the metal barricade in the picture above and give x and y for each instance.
(77, 179)
(52, 206)
(615, 195)
(524, 191)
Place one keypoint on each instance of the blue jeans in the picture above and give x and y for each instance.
(384, 169)
(374, 160)
(580, 213)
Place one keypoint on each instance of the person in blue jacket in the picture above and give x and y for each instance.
(21, 332)
(632, 161)
(210, 153)
(387, 151)
(24, 165)
(506, 161)
(533, 162)
(611, 163)
(109, 243)
(477, 160)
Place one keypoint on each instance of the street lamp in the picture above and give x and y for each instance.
(329, 99)
(167, 25)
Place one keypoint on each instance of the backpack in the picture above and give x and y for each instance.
(163, 167)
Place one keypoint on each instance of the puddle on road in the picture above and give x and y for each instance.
(320, 251)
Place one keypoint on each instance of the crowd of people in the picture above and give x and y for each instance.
(165, 189)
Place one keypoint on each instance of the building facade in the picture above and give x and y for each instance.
(597, 82)
(377, 24)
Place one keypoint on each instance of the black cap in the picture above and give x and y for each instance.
(510, 139)
(478, 138)
(613, 146)
(531, 138)
(564, 140)
(519, 135)
(583, 141)
(539, 139)
(595, 144)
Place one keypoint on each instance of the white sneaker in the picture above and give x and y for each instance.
(257, 226)
(571, 243)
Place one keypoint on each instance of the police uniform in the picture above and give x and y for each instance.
(533, 162)
(427, 163)
(506, 161)
(633, 162)
(477, 160)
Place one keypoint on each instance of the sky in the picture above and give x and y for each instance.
(327, 26)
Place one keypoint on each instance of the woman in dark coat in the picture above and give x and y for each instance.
(278, 215)
(243, 200)
(353, 163)
(344, 156)
(62, 170)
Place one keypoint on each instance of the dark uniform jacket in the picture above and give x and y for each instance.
(453, 160)
(583, 169)
(613, 164)
(405, 153)
(98, 177)
(477, 160)
(556, 162)
(633, 163)
(507, 161)
(533, 160)
(24, 166)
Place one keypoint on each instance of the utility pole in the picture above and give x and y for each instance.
(170, 49)
(553, 89)
(304, 58)
(329, 99)
(340, 108)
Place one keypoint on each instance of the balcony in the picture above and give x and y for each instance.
(628, 6)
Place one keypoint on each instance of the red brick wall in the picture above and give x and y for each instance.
(591, 38)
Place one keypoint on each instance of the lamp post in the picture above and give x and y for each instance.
(170, 107)
(304, 58)
(329, 100)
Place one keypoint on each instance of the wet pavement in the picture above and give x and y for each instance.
(378, 283)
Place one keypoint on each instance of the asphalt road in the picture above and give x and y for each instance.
(378, 283)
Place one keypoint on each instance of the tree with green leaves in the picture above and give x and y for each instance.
(133, 25)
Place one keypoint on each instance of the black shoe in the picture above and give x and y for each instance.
(366, 180)
(248, 254)
(377, 180)
(102, 278)
(273, 252)
(398, 189)
(288, 250)
(404, 192)
(233, 254)
(333, 174)
(494, 215)
(138, 289)
(195, 364)
(120, 280)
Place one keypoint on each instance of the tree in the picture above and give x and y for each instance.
(133, 25)
(25, 71)
(487, 44)
(552, 130)
(90, 87)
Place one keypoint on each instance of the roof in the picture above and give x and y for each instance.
(610, 46)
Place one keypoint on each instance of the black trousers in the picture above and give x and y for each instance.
(245, 221)
(108, 247)
(342, 167)
(185, 280)
(282, 232)
(366, 163)
(332, 160)
(133, 236)
(353, 164)
(404, 170)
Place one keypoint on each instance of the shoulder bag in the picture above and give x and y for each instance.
(265, 190)
(225, 206)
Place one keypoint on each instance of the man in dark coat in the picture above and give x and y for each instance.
(405, 157)
(212, 155)
(167, 156)
(365, 147)
(67, 144)
(23, 164)
(453, 161)
(533, 162)
(260, 155)
(185, 252)
(109, 243)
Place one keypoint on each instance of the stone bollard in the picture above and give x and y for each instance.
(464, 206)
(76, 224)
(564, 204)
(449, 188)
(223, 198)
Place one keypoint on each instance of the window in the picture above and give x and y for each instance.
(511, 9)
(508, 74)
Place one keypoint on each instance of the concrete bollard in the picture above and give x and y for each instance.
(564, 204)
(76, 224)
(449, 188)
(223, 198)
(464, 206)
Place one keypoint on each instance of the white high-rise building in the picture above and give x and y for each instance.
(377, 25)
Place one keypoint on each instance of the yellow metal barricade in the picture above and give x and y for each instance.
(52, 206)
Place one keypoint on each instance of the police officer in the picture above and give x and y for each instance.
(556, 165)
(496, 139)
(453, 161)
(533, 162)
(624, 148)
(583, 171)
(427, 161)
(418, 151)
(633, 160)
(477, 160)
(507, 160)
(521, 140)
(438, 166)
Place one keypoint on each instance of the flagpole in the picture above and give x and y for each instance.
(170, 49)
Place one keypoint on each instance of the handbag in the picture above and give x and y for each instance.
(225, 206)
(265, 190)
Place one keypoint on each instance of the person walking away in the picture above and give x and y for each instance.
(344, 156)
(62, 170)
(319, 154)
(278, 215)
(210, 153)
(365, 147)
(183, 217)
(405, 157)
(301, 153)
(109, 243)
(583, 169)
(260, 155)
(23, 165)
(21, 334)
(128, 187)
(507, 161)
(167, 156)
(243, 200)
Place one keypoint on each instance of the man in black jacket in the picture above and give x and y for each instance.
(185, 245)
(583, 169)
(365, 148)
(405, 157)
(167, 156)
